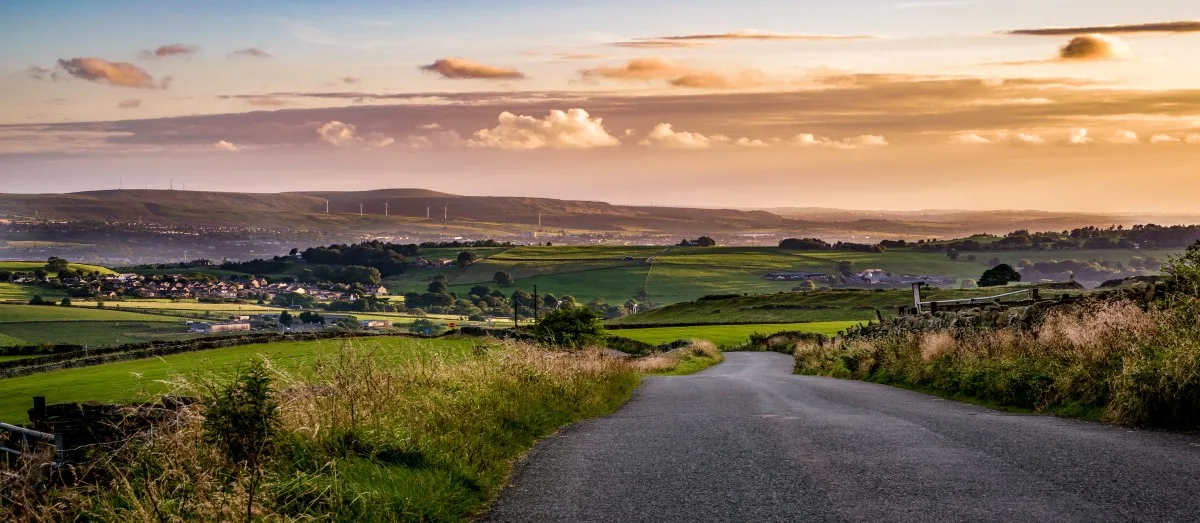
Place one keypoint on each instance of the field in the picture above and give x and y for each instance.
(30, 266)
(32, 325)
(678, 274)
(794, 307)
(148, 378)
(23, 293)
(727, 335)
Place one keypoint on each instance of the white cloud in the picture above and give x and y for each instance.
(969, 139)
(1079, 137)
(1030, 139)
(1125, 137)
(1163, 138)
(664, 135)
(430, 127)
(746, 142)
(856, 142)
(345, 136)
(413, 141)
(225, 146)
(573, 129)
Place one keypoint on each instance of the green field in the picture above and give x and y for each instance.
(24, 293)
(37, 324)
(30, 266)
(727, 335)
(792, 307)
(148, 378)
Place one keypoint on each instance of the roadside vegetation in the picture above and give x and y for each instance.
(1118, 360)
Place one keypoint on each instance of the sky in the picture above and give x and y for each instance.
(1066, 105)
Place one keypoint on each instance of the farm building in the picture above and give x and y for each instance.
(375, 324)
(214, 328)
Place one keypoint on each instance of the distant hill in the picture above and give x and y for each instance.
(405, 207)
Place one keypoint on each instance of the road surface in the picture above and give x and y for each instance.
(748, 441)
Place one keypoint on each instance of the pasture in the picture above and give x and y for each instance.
(142, 379)
(30, 266)
(727, 335)
(38, 324)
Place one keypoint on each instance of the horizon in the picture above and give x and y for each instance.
(862, 106)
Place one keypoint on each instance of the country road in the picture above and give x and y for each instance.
(748, 441)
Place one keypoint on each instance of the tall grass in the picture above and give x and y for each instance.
(1108, 360)
(699, 355)
(365, 437)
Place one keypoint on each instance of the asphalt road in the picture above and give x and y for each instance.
(748, 441)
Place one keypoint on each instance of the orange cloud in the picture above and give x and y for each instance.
(664, 135)
(1188, 26)
(694, 40)
(1095, 47)
(346, 136)
(121, 74)
(460, 68)
(130, 104)
(647, 69)
(169, 50)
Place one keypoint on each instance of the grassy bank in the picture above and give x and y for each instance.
(1110, 361)
(728, 335)
(367, 434)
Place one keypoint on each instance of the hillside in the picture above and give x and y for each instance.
(405, 208)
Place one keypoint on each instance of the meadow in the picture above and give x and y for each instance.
(38, 324)
(727, 335)
(30, 266)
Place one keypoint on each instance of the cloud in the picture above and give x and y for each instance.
(170, 50)
(120, 74)
(1123, 136)
(969, 139)
(1095, 47)
(460, 68)
(1157, 27)
(747, 142)
(225, 146)
(351, 80)
(253, 52)
(413, 141)
(678, 75)
(1079, 137)
(1192, 138)
(130, 104)
(857, 142)
(581, 56)
(664, 135)
(266, 101)
(999, 137)
(430, 126)
(1163, 138)
(346, 136)
(573, 129)
(693, 40)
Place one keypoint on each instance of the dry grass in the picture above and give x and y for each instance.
(700, 354)
(367, 436)
(1109, 360)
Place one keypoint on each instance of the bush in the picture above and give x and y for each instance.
(575, 327)
(427, 328)
(241, 419)
(999, 276)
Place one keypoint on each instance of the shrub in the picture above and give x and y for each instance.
(241, 419)
(574, 328)
(426, 328)
(999, 276)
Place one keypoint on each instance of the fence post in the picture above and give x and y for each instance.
(39, 407)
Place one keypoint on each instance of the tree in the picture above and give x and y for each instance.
(571, 327)
(66, 302)
(705, 241)
(804, 244)
(806, 286)
(952, 254)
(503, 278)
(466, 258)
(286, 319)
(55, 264)
(311, 318)
(438, 287)
(999, 276)
(241, 419)
(1184, 271)
(845, 268)
(480, 291)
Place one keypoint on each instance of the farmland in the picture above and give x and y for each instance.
(32, 325)
(728, 335)
(147, 378)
